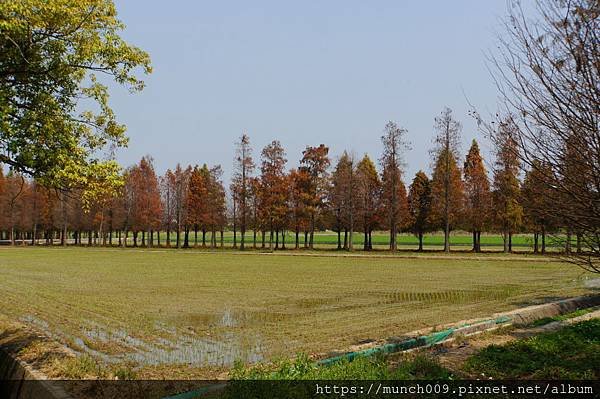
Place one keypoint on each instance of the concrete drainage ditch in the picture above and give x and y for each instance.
(19, 381)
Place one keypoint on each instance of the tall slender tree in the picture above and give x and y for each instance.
(244, 167)
(394, 144)
(298, 198)
(368, 199)
(419, 204)
(197, 200)
(574, 178)
(145, 206)
(167, 188)
(180, 182)
(273, 188)
(343, 198)
(538, 207)
(478, 204)
(216, 204)
(508, 211)
(446, 185)
(315, 162)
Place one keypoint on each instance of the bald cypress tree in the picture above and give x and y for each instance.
(368, 202)
(446, 185)
(537, 201)
(315, 162)
(394, 144)
(478, 199)
(419, 205)
(241, 190)
(508, 211)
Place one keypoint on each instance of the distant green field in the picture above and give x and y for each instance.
(159, 307)
(458, 240)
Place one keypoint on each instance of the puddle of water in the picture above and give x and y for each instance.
(228, 320)
(200, 351)
(176, 348)
(592, 283)
(39, 323)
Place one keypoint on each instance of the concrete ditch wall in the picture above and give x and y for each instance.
(532, 313)
(425, 338)
(18, 381)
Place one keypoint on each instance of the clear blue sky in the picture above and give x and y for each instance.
(305, 73)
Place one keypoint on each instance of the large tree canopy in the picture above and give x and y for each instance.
(55, 120)
(547, 70)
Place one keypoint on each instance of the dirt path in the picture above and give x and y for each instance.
(453, 354)
(329, 253)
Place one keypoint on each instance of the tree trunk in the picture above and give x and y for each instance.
(64, 235)
(186, 237)
(447, 195)
(351, 238)
(543, 241)
(297, 246)
(366, 240)
(203, 238)
(234, 236)
(578, 244)
(345, 239)
(505, 239)
(420, 242)
(510, 241)
(447, 235)
(242, 236)
(535, 243)
(339, 238)
(474, 241)
(311, 241)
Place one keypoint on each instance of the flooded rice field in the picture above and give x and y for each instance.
(201, 310)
